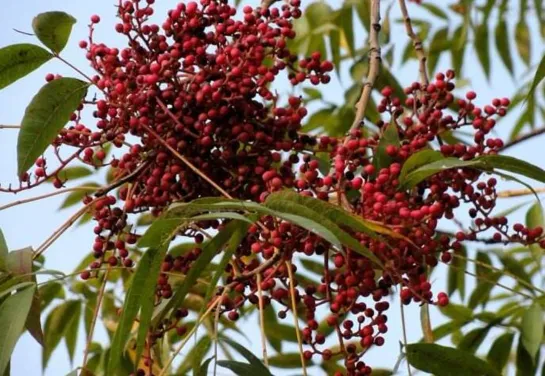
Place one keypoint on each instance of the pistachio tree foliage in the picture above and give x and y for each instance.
(229, 203)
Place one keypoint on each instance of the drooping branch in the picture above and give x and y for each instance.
(417, 43)
(519, 192)
(96, 312)
(525, 137)
(374, 64)
(47, 195)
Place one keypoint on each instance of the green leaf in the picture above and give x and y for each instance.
(363, 8)
(514, 267)
(203, 371)
(194, 357)
(389, 137)
(446, 361)
(386, 78)
(319, 120)
(18, 60)
(502, 44)
(522, 39)
(485, 163)
(473, 339)
(498, 356)
(456, 279)
(199, 353)
(33, 323)
(335, 46)
(459, 38)
(75, 172)
(457, 312)
(250, 357)
(526, 365)
(238, 235)
(439, 42)
(4, 250)
(418, 160)
(328, 215)
(481, 293)
(483, 271)
(514, 165)
(75, 197)
(209, 251)
(312, 94)
(532, 329)
(56, 326)
(239, 368)
(45, 116)
(287, 360)
(346, 24)
(19, 262)
(540, 74)
(48, 292)
(435, 10)
(140, 294)
(432, 168)
(161, 229)
(444, 330)
(535, 218)
(72, 321)
(13, 314)
(318, 14)
(482, 47)
(53, 29)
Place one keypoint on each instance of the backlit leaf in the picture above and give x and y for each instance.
(18, 60)
(45, 116)
(53, 29)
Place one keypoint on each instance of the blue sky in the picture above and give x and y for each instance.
(32, 223)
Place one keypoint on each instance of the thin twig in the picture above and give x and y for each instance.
(525, 137)
(496, 283)
(94, 320)
(37, 198)
(23, 32)
(506, 273)
(374, 65)
(295, 317)
(519, 192)
(404, 333)
(65, 226)
(216, 333)
(188, 336)
(75, 68)
(122, 180)
(187, 162)
(10, 126)
(417, 43)
(262, 321)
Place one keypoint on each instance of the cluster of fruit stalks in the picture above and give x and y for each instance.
(188, 105)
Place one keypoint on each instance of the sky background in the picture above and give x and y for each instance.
(30, 224)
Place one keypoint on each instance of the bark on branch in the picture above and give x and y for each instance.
(374, 64)
(417, 43)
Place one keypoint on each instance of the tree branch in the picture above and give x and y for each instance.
(374, 64)
(103, 191)
(417, 43)
(519, 192)
(525, 137)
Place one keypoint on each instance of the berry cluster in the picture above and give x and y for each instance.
(190, 108)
